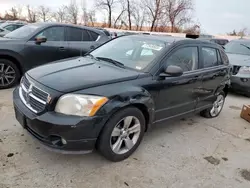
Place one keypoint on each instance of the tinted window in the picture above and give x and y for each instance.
(18, 26)
(10, 27)
(77, 34)
(186, 58)
(209, 57)
(219, 58)
(53, 34)
(224, 57)
(93, 35)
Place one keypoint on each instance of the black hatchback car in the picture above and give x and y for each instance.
(36, 44)
(109, 98)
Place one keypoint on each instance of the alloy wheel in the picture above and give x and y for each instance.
(7, 75)
(125, 135)
(217, 106)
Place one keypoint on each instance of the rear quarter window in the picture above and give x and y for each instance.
(224, 57)
(93, 35)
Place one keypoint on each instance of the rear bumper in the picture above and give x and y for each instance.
(240, 84)
(80, 133)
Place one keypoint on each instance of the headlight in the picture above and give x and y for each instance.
(80, 105)
(245, 70)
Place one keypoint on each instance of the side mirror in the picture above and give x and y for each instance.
(172, 71)
(41, 39)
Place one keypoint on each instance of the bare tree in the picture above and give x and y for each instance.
(73, 12)
(92, 18)
(177, 12)
(155, 10)
(120, 15)
(193, 29)
(60, 14)
(32, 15)
(107, 5)
(15, 12)
(44, 13)
(85, 15)
(138, 14)
(129, 11)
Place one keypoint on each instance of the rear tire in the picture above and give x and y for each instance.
(9, 74)
(217, 107)
(122, 134)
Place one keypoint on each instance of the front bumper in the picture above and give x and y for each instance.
(80, 133)
(240, 84)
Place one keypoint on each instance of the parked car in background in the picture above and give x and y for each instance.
(40, 43)
(105, 31)
(2, 21)
(238, 52)
(110, 97)
(8, 27)
(221, 42)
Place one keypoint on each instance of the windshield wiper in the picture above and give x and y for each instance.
(245, 46)
(93, 57)
(114, 62)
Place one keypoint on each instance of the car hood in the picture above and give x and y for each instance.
(2, 39)
(238, 59)
(79, 73)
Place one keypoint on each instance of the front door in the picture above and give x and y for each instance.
(55, 48)
(178, 94)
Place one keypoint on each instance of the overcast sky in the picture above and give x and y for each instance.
(215, 16)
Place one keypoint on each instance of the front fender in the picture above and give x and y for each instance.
(135, 96)
(12, 54)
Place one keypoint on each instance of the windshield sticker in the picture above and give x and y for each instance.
(152, 47)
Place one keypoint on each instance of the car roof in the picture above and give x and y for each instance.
(47, 24)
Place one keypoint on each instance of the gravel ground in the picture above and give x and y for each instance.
(189, 153)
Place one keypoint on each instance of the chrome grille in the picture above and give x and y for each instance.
(33, 97)
(236, 69)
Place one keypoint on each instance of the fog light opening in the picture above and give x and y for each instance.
(244, 79)
(58, 141)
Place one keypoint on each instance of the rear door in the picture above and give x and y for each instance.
(55, 48)
(214, 75)
(80, 41)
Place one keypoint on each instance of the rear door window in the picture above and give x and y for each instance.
(77, 34)
(209, 57)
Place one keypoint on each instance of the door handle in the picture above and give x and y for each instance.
(92, 47)
(62, 48)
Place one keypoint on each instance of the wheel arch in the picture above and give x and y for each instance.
(11, 56)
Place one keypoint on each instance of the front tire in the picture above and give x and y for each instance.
(217, 107)
(122, 134)
(9, 74)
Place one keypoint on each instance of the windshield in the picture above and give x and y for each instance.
(238, 48)
(133, 52)
(22, 32)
